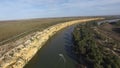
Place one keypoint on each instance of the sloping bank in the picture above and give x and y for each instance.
(28, 46)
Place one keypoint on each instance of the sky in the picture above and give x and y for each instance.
(25, 9)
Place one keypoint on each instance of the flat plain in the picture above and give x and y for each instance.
(9, 30)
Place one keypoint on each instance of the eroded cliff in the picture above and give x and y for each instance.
(17, 54)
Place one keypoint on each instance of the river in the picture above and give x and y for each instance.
(54, 53)
(49, 56)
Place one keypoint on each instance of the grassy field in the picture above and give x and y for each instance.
(10, 29)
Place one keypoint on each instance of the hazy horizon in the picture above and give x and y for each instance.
(27, 9)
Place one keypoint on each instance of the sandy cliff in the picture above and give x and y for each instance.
(17, 54)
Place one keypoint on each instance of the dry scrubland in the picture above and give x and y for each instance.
(12, 29)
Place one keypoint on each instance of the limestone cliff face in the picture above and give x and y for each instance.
(17, 54)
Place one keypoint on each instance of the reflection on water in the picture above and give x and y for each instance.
(54, 54)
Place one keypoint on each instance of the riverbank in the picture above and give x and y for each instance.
(50, 52)
(95, 45)
(21, 54)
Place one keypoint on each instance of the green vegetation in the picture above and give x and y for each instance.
(89, 51)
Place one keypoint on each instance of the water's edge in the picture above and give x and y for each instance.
(57, 44)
